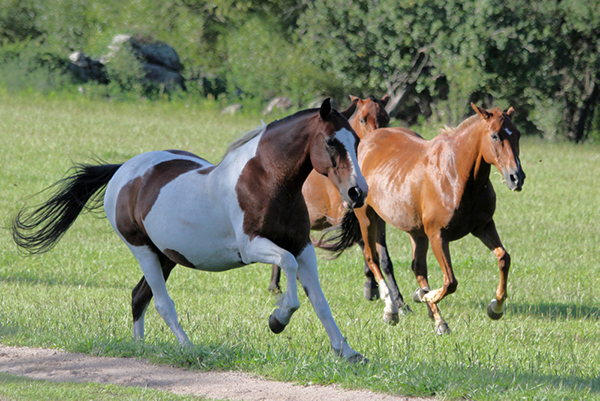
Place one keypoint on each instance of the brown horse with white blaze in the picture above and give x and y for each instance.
(437, 191)
(326, 209)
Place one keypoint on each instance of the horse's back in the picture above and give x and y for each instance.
(393, 163)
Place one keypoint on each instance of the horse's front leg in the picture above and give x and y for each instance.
(368, 226)
(385, 262)
(489, 236)
(263, 250)
(309, 278)
(419, 267)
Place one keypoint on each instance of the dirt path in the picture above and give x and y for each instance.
(59, 366)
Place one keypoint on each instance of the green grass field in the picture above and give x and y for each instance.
(77, 297)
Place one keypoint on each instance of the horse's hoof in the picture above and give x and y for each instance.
(357, 359)
(493, 315)
(274, 290)
(442, 328)
(371, 293)
(419, 294)
(391, 318)
(274, 324)
(404, 310)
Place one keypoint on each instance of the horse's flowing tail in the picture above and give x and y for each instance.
(346, 235)
(39, 230)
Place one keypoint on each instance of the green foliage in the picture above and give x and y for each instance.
(262, 64)
(432, 57)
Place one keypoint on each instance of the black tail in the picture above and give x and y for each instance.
(347, 234)
(39, 230)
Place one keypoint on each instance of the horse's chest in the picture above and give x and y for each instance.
(474, 210)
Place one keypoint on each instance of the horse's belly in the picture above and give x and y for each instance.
(193, 229)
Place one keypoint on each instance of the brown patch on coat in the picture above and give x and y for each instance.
(178, 258)
(136, 198)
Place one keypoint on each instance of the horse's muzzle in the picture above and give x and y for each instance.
(357, 197)
(515, 180)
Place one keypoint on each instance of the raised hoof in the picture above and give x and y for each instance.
(419, 294)
(493, 315)
(371, 293)
(391, 318)
(274, 324)
(442, 329)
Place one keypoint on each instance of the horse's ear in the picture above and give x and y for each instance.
(325, 109)
(352, 108)
(353, 98)
(385, 99)
(510, 113)
(483, 113)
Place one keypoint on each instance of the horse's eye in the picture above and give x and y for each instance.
(362, 120)
(330, 142)
(495, 137)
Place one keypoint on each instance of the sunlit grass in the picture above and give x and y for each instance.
(77, 297)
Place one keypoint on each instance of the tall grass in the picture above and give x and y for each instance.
(77, 297)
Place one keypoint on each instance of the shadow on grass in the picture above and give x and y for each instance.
(37, 280)
(556, 311)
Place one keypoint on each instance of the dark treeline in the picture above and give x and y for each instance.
(432, 57)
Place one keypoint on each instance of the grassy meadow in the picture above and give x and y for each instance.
(77, 297)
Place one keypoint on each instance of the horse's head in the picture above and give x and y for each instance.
(333, 154)
(370, 114)
(500, 145)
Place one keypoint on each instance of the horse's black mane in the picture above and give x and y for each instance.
(293, 116)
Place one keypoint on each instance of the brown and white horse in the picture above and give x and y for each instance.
(326, 209)
(173, 207)
(437, 191)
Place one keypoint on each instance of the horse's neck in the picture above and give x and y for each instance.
(469, 160)
(356, 125)
(284, 152)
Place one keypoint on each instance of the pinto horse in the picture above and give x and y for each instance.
(173, 207)
(437, 191)
(326, 209)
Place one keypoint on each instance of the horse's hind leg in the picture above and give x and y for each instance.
(141, 296)
(150, 263)
(371, 289)
(419, 267)
(489, 236)
(274, 287)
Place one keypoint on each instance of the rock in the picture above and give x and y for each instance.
(160, 62)
(85, 69)
(232, 109)
(279, 103)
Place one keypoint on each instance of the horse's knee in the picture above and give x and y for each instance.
(451, 288)
(503, 259)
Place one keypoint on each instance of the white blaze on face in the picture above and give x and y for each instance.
(349, 142)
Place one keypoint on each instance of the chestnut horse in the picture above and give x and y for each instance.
(173, 207)
(326, 209)
(437, 191)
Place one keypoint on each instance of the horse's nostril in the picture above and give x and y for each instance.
(355, 193)
(513, 178)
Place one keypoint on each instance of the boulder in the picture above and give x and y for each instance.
(85, 69)
(232, 109)
(279, 103)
